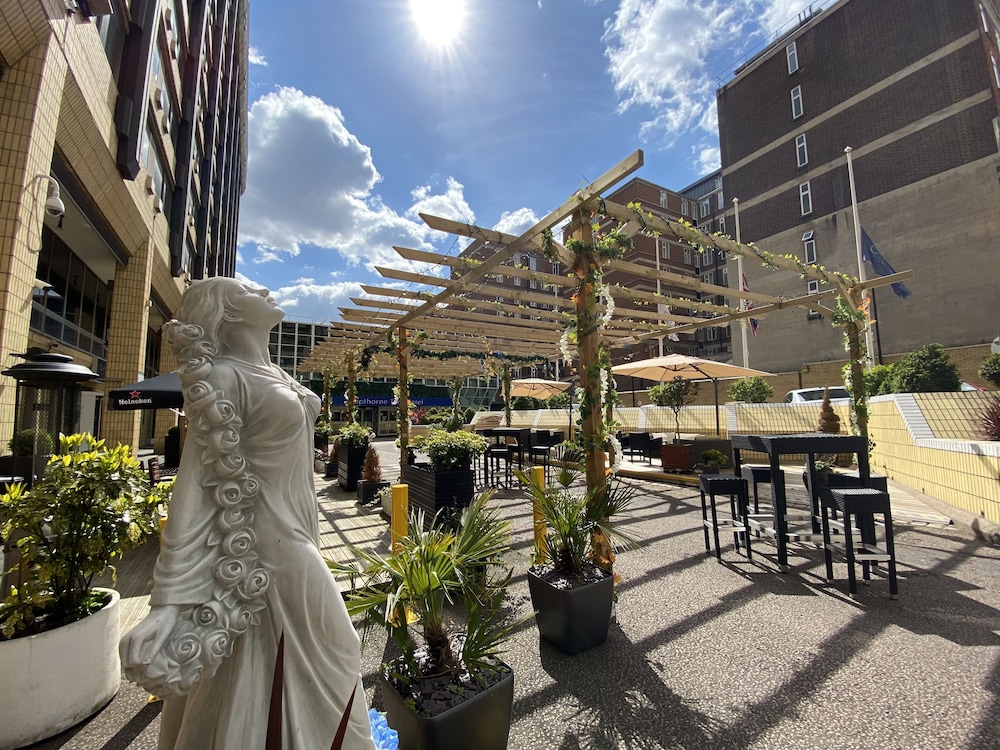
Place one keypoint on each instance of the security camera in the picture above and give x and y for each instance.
(54, 206)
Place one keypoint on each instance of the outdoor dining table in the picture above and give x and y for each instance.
(810, 444)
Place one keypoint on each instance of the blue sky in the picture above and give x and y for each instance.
(365, 112)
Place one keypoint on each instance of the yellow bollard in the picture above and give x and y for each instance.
(400, 512)
(540, 556)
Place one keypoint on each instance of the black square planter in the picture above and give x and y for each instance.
(433, 491)
(352, 460)
(368, 490)
(482, 722)
(572, 619)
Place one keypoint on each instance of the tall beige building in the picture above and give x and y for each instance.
(132, 114)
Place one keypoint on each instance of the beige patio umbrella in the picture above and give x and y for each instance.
(672, 366)
(536, 388)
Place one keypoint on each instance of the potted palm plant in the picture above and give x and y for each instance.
(371, 477)
(58, 632)
(353, 442)
(572, 596)
(449, 687)
(448, 480)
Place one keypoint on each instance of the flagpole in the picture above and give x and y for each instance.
(739, 272)
(862, 276)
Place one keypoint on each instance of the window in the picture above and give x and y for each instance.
(663, 199)
(703, 208)
(805, 198)
(725, 277)
(793, 57)
(687, 255)
(813, 286)
(664, 249)
(796, 102)
(982, 15)
(722, 228)
(709, 256)
(722, 202)
(809, 250)
(801, 153)
(684, 206)
(996, 70)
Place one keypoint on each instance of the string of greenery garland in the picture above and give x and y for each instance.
(612, 244)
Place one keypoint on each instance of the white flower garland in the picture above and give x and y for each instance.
(204, 634)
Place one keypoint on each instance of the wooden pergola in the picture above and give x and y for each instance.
(463, 314)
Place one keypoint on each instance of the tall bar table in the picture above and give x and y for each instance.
(810, 444)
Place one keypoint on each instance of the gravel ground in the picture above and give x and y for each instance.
(735, 655)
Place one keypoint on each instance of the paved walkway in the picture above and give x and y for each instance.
(707, 655)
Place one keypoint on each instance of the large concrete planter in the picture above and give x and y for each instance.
(57, 679)
(676, 457)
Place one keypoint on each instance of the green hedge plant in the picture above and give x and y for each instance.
(93, 504)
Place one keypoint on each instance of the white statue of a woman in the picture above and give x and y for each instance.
(248, 639)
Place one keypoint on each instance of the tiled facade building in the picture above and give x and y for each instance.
(912, 87)
(137, 116)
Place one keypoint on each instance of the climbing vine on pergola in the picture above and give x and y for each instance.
(470, 315)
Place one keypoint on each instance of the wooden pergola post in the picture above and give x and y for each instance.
(352, 393)
(505, 384)
(404, 397)
(588, 349)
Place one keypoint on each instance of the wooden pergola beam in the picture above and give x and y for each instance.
(602, 183)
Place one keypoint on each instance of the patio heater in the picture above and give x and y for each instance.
(47, 400)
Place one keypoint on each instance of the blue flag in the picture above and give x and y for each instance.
(880, 265)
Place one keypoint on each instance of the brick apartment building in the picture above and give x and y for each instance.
(137, 115)
(912, 87)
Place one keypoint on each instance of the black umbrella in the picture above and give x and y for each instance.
(161, 392)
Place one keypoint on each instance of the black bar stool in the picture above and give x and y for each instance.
(736, 488)
(859, 505)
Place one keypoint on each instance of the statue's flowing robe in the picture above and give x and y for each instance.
(304, 607)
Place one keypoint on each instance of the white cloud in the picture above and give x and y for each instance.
(666, 56)
(450, 205)
(256, 57)
(706, 157)
(516, 222)
(777, 13)
(310, 182)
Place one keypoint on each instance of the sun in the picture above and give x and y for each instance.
(439, 22)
